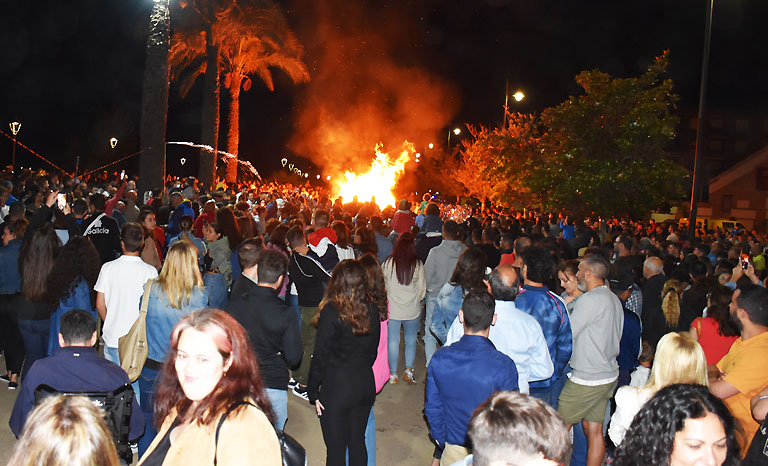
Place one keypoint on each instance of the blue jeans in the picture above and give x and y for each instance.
(411, 330)
(370, 439)
(35, 336)
(217, 287)
(111, 354)
(430, 343)
(146, 382)
(279, 401)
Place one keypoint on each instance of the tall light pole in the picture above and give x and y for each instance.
(518, 96)
(15, 128)
(455, 131)
(700, 127)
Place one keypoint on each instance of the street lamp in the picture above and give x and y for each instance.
(430, 145)
(518, 96)
(455, 131)
(113, 142)
(15, 128)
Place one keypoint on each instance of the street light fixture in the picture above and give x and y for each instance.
(518, 96)
(430, 145)
(113, 142)
(15, 128)
(455, 131)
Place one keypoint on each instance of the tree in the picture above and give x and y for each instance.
(154, 99)
(248, 39)
(603, 152)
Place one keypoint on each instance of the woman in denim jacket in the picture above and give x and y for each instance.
(467, 276)
(177, 291)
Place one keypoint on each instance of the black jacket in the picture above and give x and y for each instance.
(310, 278)
(654, 322)
(105, 235)
(273, 328)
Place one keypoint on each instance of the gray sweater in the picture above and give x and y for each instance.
(597, 323)
(440, 263)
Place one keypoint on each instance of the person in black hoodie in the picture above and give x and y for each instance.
(270, 322)
(102, 229)
(310, 278)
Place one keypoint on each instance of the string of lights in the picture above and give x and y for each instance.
(35, 153)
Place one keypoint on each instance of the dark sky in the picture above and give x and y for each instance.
(71, 72)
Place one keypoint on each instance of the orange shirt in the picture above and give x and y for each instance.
(745, 368)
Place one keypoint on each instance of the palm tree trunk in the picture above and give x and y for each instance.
(210, 116)
(154, 101)
(233, 138)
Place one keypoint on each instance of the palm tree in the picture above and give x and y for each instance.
(250, 39)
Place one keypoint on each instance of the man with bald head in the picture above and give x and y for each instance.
(654, 323)
(515, 333)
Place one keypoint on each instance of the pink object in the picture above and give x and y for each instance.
(381, 364)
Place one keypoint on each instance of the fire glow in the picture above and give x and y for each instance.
(379, 182)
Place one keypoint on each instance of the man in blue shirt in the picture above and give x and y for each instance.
(549, 311)
(463, 375)
(76, 367)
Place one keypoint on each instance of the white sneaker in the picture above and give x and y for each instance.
(393, 379)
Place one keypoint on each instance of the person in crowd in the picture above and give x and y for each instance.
(670, 302)
(597, 322)
(364, 242)
(102, 229)
(119, 289)
(626, 265)
(717, 332)
(653, 319)
(681, 425)
(341, 382)
(177, 292)
(678, 359)
(179, 208)
(377, 294)
(383, 244)
(76, 367)
(642, 372)
(467, 276)
(310, 278)
(536, 300)
(344, 249)
(430, 232)
(492, 253)
(207, 216)
(566, 273)
(70, 284)
(403, 220)
(322, 240)
(630, 345)
(185, 224)
(514, 428)
(65, 431)
(218, 268)
(271, 324)
(406, 288)
(211, 398)
(521, 244)
(461, 376)
(36, 257)
(154, 239)
(515, 333)
(741, 373)
(10, 285)
(438, 268)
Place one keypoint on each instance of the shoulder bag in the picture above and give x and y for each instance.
(132, 346)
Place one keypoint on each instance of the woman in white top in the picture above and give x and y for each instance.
(679, 359)
(406, 287)
(343, 241)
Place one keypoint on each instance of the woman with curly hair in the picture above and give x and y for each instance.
(341, 383)
(211, 405)
(717, 332)
(70, 284)
(467, 276)
(682, 425)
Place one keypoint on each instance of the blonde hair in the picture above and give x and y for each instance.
(679, 359)
(180, 274)
(65, 431)
(671, 301)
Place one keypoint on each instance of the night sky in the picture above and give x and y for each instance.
(71, 72)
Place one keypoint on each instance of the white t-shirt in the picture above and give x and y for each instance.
(122, 282)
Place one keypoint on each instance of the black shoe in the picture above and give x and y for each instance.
(301, 391)
(5, 378)
(13, 385)
(292, 383)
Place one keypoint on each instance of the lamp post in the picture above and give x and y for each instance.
(455, 131)
(518, 96)
(700, 126)
(15, 128)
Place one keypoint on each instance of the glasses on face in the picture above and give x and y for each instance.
(205, 362)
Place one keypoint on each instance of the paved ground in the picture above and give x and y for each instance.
(401, 432)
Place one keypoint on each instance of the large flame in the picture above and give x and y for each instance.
(377, 183)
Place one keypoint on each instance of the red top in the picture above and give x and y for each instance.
(715, 346)
(402, 221)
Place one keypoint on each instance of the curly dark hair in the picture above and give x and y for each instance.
(77, 260)
(377, 289)
(651, 437)
(347, 291)
(470, 270)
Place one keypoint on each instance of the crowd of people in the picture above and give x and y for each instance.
(648, 345)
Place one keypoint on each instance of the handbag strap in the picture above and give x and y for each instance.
(221, 421)
(145, 299)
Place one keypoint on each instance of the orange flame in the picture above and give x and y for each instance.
(377, 183)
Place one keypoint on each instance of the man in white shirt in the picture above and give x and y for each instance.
(515, 333)
(119, 288)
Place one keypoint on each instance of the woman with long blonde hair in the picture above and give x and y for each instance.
(177, 292)
(679, 359)
(670, 304)
(65, 431)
